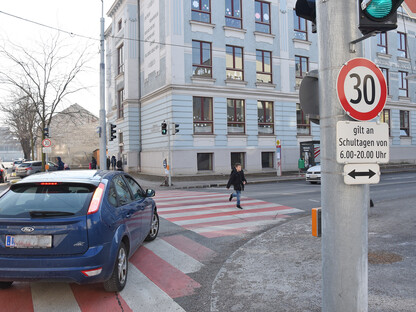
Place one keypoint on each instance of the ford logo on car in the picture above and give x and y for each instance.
(27, 229)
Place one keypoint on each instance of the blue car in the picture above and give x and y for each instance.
(75, 226)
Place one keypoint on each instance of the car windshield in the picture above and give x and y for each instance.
(25, 165)
(38, 200)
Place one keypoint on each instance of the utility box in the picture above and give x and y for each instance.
(316, 222)
(310, 152)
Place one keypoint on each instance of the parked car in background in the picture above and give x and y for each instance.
(17, 163)
(3, 173)
(30, 167)
(313, 174)
(76, 226)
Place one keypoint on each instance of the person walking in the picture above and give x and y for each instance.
(119, 165)
(93, 163)
(60, 163)
(113, 162)
(108, 162)
(238, 180)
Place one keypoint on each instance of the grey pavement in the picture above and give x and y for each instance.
(280, 270)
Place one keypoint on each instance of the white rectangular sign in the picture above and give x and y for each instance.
(47, 150)
(362, 174)
(362, 142)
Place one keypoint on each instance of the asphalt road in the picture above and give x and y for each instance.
(182, 230)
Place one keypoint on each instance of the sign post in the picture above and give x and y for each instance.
(279, 158)
(47, 149)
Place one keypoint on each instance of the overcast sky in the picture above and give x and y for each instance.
(76, 16)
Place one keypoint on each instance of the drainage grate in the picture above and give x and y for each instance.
(383, 257)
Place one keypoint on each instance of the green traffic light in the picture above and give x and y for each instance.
(379, 8)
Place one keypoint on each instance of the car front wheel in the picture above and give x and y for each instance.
(118, 278)
(4, 285)
(154, 228)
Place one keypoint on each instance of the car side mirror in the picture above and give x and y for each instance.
(150, 193)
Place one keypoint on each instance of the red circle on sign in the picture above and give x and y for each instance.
(345, 103)
(46, 142)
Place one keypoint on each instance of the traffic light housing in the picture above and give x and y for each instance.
(307, 10)
(176, 130)
(46, 132)
(377, 15)
(112, 132)
(164, 127)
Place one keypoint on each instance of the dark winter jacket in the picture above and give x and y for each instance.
(119, 165)
(113, 161)
(60, 164)
(93, 163)
(236, 179)
(108, 163)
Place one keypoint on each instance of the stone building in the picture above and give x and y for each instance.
(229, 75)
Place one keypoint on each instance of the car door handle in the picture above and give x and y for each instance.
(140, 207)
(128, 215)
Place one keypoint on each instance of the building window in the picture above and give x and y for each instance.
(233, 13)
(201, 10)
(302, 67)
(302, 120)
(239, 158)
(235, 116)
(119, 24)
(234, 63)
(301, 27)
(203, 122)
(201, 58)
(267, 159)
(401, 44)
(204, 161)
(265, 117)
(385, 72)
(404, 123)
(403, 87)
(382, 43)
(262, 16)
(120, 57)
(120, 104)
(264, 66)
(385, 117)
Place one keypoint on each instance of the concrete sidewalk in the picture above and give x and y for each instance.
(280, 270)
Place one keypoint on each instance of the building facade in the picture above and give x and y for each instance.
(229, 76)
(10, 148)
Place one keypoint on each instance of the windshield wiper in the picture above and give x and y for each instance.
(40, 213)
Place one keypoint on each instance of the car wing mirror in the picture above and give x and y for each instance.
(150, 193)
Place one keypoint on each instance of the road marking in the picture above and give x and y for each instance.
(190, 247)
(168, 278)
(141, 294)
(18, 298)
(174, 256)
(47, 297)
(223, 203)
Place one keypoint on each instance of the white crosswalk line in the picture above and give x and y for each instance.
(233, 226)
(218, 204)
(238, 216)
(52, 297)
(141, 294)
(199, 199)
(175, 257)
(169, 199)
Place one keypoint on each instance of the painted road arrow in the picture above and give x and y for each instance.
(361, 174)
(368, 174)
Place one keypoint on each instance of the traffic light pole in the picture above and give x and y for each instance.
(103, 131)
(344, 207)
(169, 157)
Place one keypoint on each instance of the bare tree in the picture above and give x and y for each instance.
(23, 121)
(45, 75)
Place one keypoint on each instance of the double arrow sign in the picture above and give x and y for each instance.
(361, 173)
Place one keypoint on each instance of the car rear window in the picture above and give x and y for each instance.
(29, 200)
(25, 165)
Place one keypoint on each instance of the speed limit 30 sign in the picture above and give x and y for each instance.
(361, 89)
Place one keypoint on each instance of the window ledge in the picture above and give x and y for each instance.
(303, 136)
(403, 59)
(203, 80)
(209, 25)
(307, 42)
(262, 34)
(404, 98)
(240, 30)
(384, 55)
(237, 135)
(265, 85)
(200, 135)
(266, 135)
(235, 82)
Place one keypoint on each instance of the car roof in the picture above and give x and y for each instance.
(76, 176)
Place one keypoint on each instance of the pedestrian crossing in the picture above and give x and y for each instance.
(213, 215)
(158, 274)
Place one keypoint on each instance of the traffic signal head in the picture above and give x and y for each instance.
(164, 127)
(112, 132)
(46, 132)
(377, 15)
(307, 10)
(176, 129)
